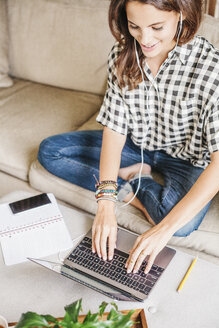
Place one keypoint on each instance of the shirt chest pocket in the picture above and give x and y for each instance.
(187, 107)
(184, 116)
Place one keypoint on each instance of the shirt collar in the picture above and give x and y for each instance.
(183, 51)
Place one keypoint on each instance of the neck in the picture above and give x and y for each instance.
(158, 60)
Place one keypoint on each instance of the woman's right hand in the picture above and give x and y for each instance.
(104, 230)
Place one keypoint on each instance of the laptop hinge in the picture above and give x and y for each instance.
(116, 293)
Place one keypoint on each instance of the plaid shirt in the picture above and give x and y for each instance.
(177, 111)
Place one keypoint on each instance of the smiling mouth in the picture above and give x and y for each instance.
(149, 47)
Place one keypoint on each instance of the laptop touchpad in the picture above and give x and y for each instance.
(125, 240)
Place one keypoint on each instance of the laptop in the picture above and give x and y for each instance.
(111, 277)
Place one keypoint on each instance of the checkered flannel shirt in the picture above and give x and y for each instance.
(178, 111)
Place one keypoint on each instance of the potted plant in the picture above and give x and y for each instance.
(114, 319)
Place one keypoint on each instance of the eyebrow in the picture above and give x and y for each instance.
(149, 25)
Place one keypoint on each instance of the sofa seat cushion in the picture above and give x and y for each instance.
(30, 112)
(206, 239)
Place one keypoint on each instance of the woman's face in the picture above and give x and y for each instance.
(154, 29)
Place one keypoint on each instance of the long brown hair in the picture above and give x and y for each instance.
(126, 63)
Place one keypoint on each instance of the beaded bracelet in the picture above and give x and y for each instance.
(106, 198)
(103, 184)
(105, 191)
(106, 194)
(107, 186)
(107, 181)
(113, 191)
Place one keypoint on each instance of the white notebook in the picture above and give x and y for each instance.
(33, 227)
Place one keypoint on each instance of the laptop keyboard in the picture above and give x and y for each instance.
(115, 269)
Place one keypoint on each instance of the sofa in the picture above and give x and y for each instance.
(53, 72)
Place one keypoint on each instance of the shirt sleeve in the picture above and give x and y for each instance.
(113, 112)
(212, 129)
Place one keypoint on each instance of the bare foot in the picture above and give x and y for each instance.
(128, 172)
(136, 203)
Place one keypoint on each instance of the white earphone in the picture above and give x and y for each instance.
(142, 74)
(181, 18)
(180, 27)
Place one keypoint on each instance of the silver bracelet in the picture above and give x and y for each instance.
(107, 198)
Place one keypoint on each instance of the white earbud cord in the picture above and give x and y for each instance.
(142, 145)
(147, 107)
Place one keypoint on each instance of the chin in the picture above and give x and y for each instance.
(152, 54)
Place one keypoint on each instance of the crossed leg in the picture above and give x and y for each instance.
(128, 173)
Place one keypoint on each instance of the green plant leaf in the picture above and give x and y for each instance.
(67, 321)
(113, 315)
(115, 319)
(102, 308)
(73, 311)
(99, 324)
(50, 318)
(115, 305)
(124, 321)
(32, 319)
(91, 318)
(71, 324)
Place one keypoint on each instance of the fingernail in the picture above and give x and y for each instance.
(135, 271)
(110, 258)
(104, 258)
(128, 270)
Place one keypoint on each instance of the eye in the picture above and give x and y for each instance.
(157, 28)
(133, 27)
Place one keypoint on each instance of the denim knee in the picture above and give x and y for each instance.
(193, 225)
(47, 151)
(186, 230)
(42, 151)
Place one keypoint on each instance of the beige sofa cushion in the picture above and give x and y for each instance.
(5, 80)
(210, 30)
(30, 112)
(91, 124)
(60, 43)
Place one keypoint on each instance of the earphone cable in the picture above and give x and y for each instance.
(147, 105)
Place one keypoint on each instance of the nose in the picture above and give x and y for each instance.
(146, 37)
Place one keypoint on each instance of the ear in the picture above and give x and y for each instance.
(183, 16)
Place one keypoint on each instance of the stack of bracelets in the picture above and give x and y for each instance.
(106, 190)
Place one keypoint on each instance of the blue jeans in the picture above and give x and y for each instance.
(74, 157)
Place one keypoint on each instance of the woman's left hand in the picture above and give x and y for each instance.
(149, 244)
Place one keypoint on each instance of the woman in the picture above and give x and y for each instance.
(161, 108)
